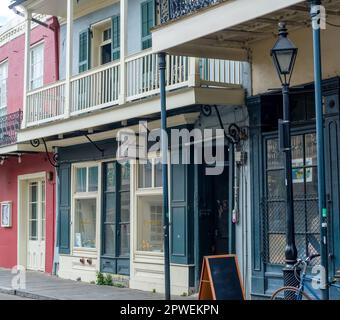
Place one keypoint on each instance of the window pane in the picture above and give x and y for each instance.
(276, 216)
(85, 223)
(276, 184)
(297, 151)
(277, 244)
(311, 153)
(33, 234)
(158, 174)
(125, 240)
(311, 181)
(110, 207)
(110, 177)
(298, 182)
(145, 175)
(33, 192)
(110, 239)
(125, 177)
(274, 156)
(150, 233)
(33, 211)
(93, 179)
(81, 180)
(125, 207)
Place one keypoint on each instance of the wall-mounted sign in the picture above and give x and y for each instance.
(6, 214)
(221, 279)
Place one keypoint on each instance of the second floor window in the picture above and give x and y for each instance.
(3, 88)
(37, 67)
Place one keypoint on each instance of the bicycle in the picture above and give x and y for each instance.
(299, 293)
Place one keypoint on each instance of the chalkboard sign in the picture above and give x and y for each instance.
(220, 279)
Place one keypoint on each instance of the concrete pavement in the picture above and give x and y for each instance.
(46, 287)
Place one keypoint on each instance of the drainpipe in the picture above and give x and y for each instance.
(315, 15)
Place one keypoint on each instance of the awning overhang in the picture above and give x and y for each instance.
(228, 30)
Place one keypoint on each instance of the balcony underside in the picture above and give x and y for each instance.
(88, 122)
(228, 30)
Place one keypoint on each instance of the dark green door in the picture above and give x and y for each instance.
(332, 146)
(116, 219)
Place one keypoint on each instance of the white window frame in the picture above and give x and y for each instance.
(3, 87)
(98, 30)
(79, 251)
(142, 192)
(37, 81)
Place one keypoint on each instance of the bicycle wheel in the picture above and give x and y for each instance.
(290, 293)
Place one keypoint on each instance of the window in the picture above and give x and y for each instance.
(149, 207)
(85, 199)
(150, 174)
(148, 21)
(305, 198)
(37, 67)
(3, 88)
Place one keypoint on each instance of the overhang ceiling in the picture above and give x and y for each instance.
(234, 42)
(59, 7)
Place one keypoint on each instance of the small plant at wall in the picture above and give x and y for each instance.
(118, 285)
(153, 290)
(108, 280)
(100, 279)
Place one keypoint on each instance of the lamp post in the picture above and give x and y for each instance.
(284, 55)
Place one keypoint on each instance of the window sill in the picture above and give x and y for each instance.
(80, 252)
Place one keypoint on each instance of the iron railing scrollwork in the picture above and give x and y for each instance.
(9, 126)
(173, 9)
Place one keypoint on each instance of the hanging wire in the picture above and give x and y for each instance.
(333, 25)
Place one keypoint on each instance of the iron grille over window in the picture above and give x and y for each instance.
(307, 221)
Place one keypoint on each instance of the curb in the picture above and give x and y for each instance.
(8, 291)
(25, 294)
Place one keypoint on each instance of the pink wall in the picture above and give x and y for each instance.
(9, 173)
(13, 51)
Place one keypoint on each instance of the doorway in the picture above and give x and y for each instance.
(214, 214)
(32, 222)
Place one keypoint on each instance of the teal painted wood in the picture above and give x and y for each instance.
(84, 50)
(64, 190)
(182, 213)
(115, 33)
(256, 171)
(332, 154)
(148, 21)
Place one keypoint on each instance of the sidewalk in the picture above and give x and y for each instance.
(41, 286)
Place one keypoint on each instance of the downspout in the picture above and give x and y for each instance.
(56, 226)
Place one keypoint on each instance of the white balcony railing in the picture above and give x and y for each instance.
(143, 75)
(97, 88)
(46, 104)
(101, 87)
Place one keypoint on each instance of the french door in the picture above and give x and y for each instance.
(36, 225)
(116, 219)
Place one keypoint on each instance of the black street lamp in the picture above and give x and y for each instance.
(284, 56)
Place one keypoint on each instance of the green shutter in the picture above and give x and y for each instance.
(181, 212)
(148, 21)
(64, 189)
(84, 50)
(115, 37)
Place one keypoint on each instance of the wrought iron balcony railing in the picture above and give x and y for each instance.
(9, 126)
(173, 9)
